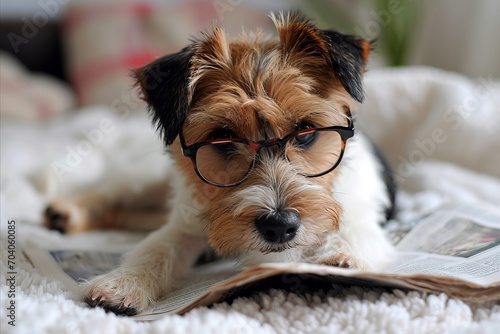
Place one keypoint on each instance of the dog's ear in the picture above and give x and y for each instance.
(303, 43)
(348, 56)
(164, 84)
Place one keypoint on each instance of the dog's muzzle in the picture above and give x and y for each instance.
(278, 227)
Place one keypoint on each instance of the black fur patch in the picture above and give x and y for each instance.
(389, 181)
(348, 61)
(164, 85)
(116, 309)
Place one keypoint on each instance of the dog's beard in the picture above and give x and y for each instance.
(273, 186)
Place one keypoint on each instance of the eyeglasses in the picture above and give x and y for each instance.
(227, 162)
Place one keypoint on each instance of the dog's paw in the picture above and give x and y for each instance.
(65, 216)
(117, 292)
(343, 260)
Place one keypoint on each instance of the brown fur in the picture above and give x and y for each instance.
(144, 210)
(261, 88)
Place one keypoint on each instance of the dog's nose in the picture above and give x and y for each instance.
(278, 227)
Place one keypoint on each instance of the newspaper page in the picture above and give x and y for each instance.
(72, 267)
(460, 242)
(455, 250)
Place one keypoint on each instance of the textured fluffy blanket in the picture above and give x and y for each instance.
(440, 132)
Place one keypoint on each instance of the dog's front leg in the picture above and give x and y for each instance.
(359, 244)
(148, 272)
(359, 189)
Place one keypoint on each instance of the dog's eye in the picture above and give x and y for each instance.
(303, 126)
(221, 134)
(223, 148)
(305, 140)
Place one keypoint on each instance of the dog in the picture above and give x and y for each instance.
(267, 163)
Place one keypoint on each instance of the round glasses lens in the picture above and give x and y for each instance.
(224, 163)
(315, 152)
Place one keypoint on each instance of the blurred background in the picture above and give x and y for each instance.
(64, 53)
(71, 119)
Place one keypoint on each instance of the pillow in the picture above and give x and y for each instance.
(104, 41)
(30, 96)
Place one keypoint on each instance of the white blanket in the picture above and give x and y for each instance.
(440, 131)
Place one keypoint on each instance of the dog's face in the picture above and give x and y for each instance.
(259, 89)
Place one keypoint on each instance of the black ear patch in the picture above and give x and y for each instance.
(348, 56)
(313, 49)
(164, 84)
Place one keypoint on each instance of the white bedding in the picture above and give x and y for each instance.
(440, 132)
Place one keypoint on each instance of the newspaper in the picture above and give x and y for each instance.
(455, 250)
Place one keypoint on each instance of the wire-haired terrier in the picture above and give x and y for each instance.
(262, 142)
